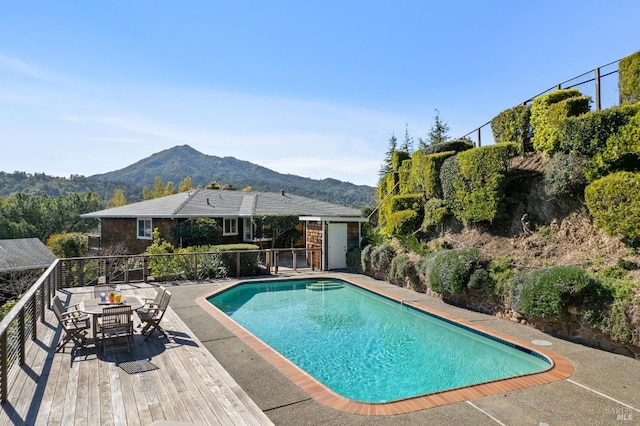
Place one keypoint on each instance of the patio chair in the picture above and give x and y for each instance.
(151, 304)
(151, 319)
(114, 325)
(75, 324)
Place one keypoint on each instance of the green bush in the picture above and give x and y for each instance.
(622, 152)
(544, 293)
(435, 211)
(449, 173)
(614, 202)
(403, 175)
(353, 258)
(365, 257)
(403, 222)
(564, 175)
(402, 268)
(514, 125)
(424, 176)
(381, 258)
(397, 158)
(399, 203)
(548, 112)
(479, 187)
(588, 133)
(451, 270)
(501, 271)
(68, 245)
(196, 232)
(629, 78)
(457, 145)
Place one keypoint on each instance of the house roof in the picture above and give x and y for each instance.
(23, 254)
(221, 203)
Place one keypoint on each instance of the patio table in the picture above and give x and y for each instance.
(95, 308)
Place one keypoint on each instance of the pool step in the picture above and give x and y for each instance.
(324, 285)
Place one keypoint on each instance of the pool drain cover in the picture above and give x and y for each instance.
(135, 367)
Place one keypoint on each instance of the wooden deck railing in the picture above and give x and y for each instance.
(19, 326)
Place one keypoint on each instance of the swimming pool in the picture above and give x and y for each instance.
(367, 347)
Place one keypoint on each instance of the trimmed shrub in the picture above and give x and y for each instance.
(514, 125)
(397, 158)
(451, 270)
(564, 175)
(479, 187)
(425, 172)
(614, 202)
(402, 222)
(629, 78)
(449, 173)
(544, 293)
(403, 175)
(435, 211)
(588, 133)
(548, 111)
(622, 152)
(381, 258)
(457, 145)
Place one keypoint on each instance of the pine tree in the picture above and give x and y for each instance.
(407, 143)
(387, 165)
(439, 131)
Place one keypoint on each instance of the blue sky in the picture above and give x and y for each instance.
(309, 88)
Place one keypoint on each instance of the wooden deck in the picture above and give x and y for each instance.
(171, 379)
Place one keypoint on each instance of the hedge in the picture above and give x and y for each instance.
(622, 152)
(451, 271)
(544, 293)
(397, 158)
(479, 187)
(514, 125)
(629, 78)
(403, 175)
(425, 172)
(614, 202)
(403, 222)
(587, 134)
(548, 112)
(457, 145)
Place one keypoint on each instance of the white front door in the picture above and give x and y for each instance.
(337, 246)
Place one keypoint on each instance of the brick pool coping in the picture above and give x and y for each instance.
(560, 369)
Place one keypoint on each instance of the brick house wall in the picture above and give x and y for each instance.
(122, 234)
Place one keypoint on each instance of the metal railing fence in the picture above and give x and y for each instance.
(600, 83)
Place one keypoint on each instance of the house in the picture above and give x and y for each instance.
(332, 227)
(22, 260)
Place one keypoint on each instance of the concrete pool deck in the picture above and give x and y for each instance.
(603, 389)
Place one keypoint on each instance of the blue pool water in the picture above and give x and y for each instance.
(366, 347)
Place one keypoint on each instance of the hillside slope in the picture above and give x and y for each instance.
(561, 233)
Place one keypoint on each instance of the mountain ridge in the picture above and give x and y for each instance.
(175, 164)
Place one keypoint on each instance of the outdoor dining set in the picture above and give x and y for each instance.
(110, 318)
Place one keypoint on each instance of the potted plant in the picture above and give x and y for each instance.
(112, 296)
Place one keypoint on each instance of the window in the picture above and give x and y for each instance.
(230, 227)
(145, 231)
